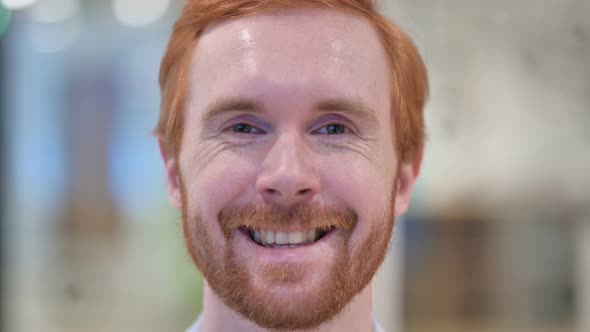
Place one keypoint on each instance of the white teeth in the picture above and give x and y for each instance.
(311, 236)
(270, 237)
(262, 237)
(281, 238)
(293, 239)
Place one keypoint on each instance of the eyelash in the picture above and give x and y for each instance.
(230, 128)
(346, 128)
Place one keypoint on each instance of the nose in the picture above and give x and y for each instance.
(288, 175)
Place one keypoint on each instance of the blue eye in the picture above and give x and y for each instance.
(332, 129)
(244, 128)
(335, 129)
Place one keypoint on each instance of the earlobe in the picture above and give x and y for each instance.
(408, 174)
(172, 175)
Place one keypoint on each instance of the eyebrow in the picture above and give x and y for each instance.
(229, 104)
(353, 108)
(226, 104)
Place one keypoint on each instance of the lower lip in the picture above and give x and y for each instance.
(303, 253)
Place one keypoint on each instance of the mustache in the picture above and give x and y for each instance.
(267, 216)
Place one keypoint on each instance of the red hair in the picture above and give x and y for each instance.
(410, 81)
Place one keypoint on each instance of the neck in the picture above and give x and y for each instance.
(216, 316)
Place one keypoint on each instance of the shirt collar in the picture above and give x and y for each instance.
(196, 327)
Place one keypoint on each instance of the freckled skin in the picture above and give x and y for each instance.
(289, 62)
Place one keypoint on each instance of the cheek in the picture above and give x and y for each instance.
(364, 186)
(218, 183)
(359, 183)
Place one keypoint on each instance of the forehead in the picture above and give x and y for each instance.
(310, 53)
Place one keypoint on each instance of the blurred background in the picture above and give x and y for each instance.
(497, 239)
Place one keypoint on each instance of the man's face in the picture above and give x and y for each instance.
(287, 172)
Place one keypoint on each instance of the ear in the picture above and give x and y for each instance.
(408, 174)
(172, 175)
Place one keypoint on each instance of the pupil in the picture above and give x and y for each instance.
(242, 128)
(335, 129)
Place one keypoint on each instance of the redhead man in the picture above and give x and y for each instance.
(292, 134)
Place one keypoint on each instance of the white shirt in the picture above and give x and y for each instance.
(196, 327)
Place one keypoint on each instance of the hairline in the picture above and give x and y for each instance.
(410, 137)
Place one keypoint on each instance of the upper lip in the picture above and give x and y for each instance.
(288, 229)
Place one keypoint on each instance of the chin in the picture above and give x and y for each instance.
(290, 287)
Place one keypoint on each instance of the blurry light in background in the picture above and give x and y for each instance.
(51, 11)
(139, 13)
(5, 16)
(53, 37)
(17, 4)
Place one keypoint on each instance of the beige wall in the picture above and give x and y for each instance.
(508, 118)
(510, 105)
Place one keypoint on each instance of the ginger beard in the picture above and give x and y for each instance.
(230, 278)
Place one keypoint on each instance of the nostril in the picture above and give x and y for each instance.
(271, 191)
(303, 191)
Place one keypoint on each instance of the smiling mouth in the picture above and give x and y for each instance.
(278, 239)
